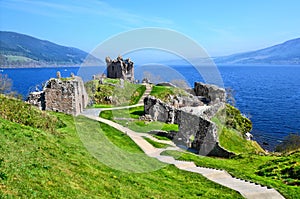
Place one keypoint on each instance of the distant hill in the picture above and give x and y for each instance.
(19, 50)
(287, 53)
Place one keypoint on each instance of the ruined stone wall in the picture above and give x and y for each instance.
(196, 130)
(120, 68)
(67, 96)
(37, 99)
(212, 93)
(160, 111)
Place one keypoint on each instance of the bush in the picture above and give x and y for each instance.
(235, 120)
(289, 143)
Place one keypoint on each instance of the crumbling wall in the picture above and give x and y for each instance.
(160, 111)
(61, 95)
(120, 68)
(37, 99)
(212, 93)
(196, 130)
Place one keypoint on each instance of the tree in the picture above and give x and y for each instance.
(5, 84)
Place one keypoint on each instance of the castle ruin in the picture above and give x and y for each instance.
(67, 95)
(120, 68)
(196, 130)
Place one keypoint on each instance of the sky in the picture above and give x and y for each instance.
(220, 27)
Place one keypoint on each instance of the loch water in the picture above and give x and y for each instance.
(269, 95)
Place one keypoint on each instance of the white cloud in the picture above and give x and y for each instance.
(86, 8)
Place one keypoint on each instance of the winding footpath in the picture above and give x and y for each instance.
(246, 189)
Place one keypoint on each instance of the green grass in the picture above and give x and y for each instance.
(102, 106)
(111, 81)
(161, 137)
(35, 163)
(156, 144)
(250, 167)
(129, 94)
(234, 141)
(231, 137)
(17, 111)
(162, 92)
(138, 93)
(129, 118)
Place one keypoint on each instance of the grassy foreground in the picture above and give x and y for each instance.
(279, 172)
(37, 163)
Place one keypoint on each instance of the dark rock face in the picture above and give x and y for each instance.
(120, 68)
(67, 96)
(212, 93)
(160, 111)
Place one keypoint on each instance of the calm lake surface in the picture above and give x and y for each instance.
(269, 95)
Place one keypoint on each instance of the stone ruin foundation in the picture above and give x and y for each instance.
(67, 95)
(196, 130)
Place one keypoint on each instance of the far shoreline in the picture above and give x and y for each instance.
(171, 65)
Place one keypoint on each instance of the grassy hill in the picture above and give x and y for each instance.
(39, 163)
(19, 50)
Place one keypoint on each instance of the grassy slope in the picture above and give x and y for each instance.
(38, 163)
(162, 92)
(232, 126)
(125, 116)
(129, 95)
(249, 167)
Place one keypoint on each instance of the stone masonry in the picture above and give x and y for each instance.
(196, 130)
(66, 95)
(120, 68)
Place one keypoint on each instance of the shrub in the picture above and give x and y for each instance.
(234, 119)
(289, 143)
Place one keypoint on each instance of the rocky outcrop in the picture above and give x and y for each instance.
(66, 95)
(213, 94)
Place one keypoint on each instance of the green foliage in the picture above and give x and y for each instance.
(156, 144)
(234, 141)
(112, 93)
(64, 79)
(289, 143)
(235, 120)
(38, 164)
(231, 128)
(249, 166)
(163, 92)
(17, 111)
(285, 169)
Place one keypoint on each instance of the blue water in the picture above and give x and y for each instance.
(269, 95)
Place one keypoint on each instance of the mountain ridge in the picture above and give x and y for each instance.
(20, 50)
(286, 53)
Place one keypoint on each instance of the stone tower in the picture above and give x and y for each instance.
(120, 68)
